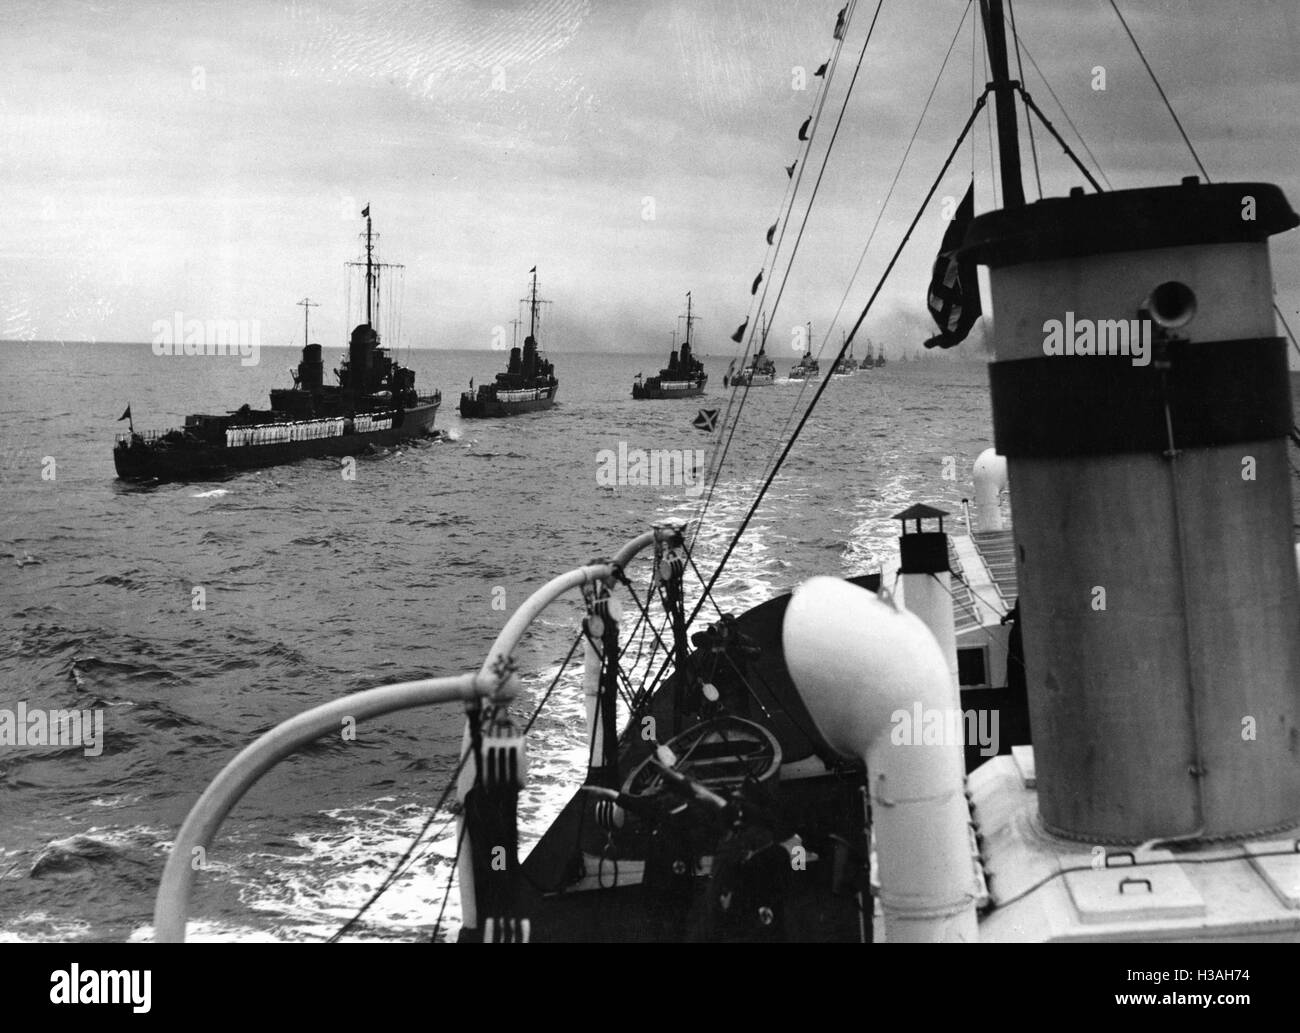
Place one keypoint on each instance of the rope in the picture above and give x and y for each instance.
(816, 121)
(1160, 90)
(1020, 69)
(821, 389)
(880, 215)
(1020, 42)
(398, 870)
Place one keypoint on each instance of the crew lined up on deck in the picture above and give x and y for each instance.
(305, 430)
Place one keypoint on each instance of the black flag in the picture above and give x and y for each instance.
(754, 289)
(126, 415)
(739, 335)
(803, 129)
(533, 269)
(365, 212)
(771, 230)
(821, 71)
(789, 169)
(954, 298)
(707, 420)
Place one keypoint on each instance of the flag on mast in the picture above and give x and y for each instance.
(954, 296)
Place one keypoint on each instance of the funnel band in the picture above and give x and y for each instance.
(1219, 392)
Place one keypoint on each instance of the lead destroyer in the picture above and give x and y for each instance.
(375, 404)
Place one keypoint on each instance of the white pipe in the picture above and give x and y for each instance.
(990, 479)
(863, 669)
(171, 907)
(929, 596)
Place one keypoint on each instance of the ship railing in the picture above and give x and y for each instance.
(147, 436)
(494, 682)
(435, 398)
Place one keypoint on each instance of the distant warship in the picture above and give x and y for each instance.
(527, 385)
(683, 377)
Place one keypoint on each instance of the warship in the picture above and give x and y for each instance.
(683, 377)
(528, 384)
(1074, 722)
(846, 366)
(375, 404)
(761, 371)
(807, 368)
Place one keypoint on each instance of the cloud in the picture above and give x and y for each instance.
(217, 163)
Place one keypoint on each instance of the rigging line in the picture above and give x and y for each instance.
(999, 609)
(959, 604)
(1020, 42)
(890, 193)
(691, 560)
(551, 688)
(1159, 89)
(1029, 103)
(821, 389)
(791, 193)
(645, 610)
(785, 277)
(821, 172)
(1172, 114)
(442, 910)
(397, 871)
(994, 178)
(1020, 68)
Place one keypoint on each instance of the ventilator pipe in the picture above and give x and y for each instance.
(867, 672)
(990, 479)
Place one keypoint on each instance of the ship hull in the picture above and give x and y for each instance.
(472, 408)
(152, 462)
(648, 391)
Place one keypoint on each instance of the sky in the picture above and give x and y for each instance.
(212, 159)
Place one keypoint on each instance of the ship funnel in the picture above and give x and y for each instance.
(1141, 397)
(877, 686)
(361, 348)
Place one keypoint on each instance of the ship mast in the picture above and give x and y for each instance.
(307, 305)
(515, 323)
(1004, 95)
(688, 318)
(532, 309)
(370, 269)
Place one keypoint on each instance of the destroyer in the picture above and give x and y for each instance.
(375, 404)
(683, 377)
(807, 368)
(762, 371)
(527, 385)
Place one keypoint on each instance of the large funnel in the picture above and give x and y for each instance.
(1140, 395)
